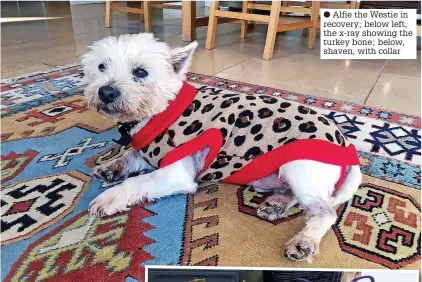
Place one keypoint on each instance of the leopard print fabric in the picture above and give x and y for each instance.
(251, 125)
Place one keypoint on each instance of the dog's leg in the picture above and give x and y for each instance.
(163, 182)
(348, 188)
(176, 178)
(305, 245)
(123, 167)
(312, 183)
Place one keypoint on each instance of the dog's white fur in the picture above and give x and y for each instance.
(121, 55)
(311, 183)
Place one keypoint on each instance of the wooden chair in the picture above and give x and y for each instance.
(144, 11)
(273, 21)
(190, 22)
(325, 5)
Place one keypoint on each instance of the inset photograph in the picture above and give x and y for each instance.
(217, 274)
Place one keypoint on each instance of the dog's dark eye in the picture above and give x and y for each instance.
(139, 73)
(101, 67)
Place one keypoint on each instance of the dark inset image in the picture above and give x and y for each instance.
(225, 275)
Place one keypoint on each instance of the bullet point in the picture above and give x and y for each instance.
(327, 14)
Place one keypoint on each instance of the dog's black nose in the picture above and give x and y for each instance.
(108, 94)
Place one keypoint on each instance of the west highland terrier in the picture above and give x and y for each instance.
(189, 136)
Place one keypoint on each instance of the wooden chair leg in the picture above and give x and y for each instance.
(284, 4)
(315, 23)
(141, 16)
(188, 20)
(251, 24)
(212, 26)
(147, 15)
(244, 27)
(357, 6)
(108, 14)
(272, 30)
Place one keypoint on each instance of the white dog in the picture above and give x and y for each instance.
(139, 82)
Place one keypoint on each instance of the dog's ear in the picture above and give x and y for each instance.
(181, 57)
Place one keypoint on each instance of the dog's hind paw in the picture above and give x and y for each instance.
(274, 207)
(301, 248)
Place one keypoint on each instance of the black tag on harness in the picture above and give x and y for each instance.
(124, 130)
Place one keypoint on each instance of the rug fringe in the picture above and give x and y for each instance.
(28, 75)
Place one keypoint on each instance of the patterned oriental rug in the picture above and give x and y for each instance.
(51, 140)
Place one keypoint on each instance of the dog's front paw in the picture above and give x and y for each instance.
(110, 172)
(273, 208)
(301, 248)
(109, 202)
